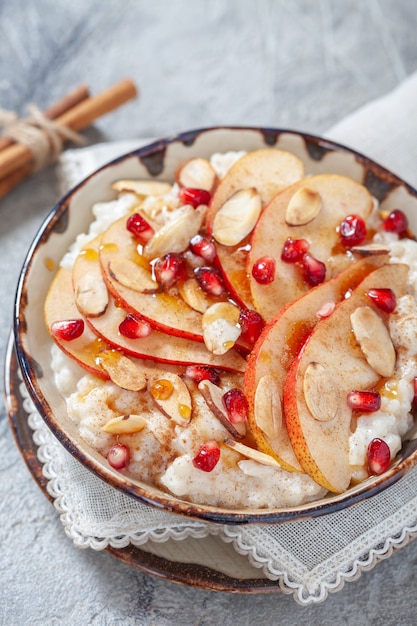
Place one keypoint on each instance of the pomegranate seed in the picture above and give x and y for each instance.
(204, 247)
(263, 270)
(169, 269)
(195, 197)
(314, 270)
(294, 250)
(210, 281)
(207, 457)
(364, 401)
(118, 456)
(68, 330)
(251, 324)
(396, 222)
(134, 327)
(202, 372)
(139, 227)
(236, 405)
(378, 456)
(352, 230)
(383, 298)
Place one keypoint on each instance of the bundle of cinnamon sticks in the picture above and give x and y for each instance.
(75, 111)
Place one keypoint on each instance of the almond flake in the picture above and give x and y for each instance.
(125, 425)
(237, 217)
(91, 295)
(221, 328)
(303, 207)
(213, 396)
(370, 249)
(268, 409)
(320, 392)
(143, 187)
(251, 453)
(374, 340)
(197, 173)
(131, 275)
(122, 371)
(176, 405)
(194, 296)
(175, 235)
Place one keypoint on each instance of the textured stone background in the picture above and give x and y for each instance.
(298, 64)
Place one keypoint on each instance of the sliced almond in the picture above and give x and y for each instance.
(122, 371)
(175, 235)
(213, 396)
(194, 296)
(143, 187)
(220, 327)
(320, 392)
(91, 295)
(125, 425)
(370, 249)
(251, 453)
(268, 409)
(303, 207)
(197, 173)
(130, 274)
(176, 403)
(237, 217)
(374, 340)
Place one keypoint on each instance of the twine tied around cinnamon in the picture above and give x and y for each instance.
(42, 136)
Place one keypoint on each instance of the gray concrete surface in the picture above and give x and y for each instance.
(297, 64)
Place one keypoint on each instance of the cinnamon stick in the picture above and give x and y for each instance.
(79, 117)
(66, 103)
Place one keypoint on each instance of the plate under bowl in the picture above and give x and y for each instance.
(72, 215)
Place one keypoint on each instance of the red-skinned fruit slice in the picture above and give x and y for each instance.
(269, 171)
(272, 231)
(317, 416)
(378, 456)
(207, 457)
(278, 346)
(165, 312)
(364, 401)
(158, 346)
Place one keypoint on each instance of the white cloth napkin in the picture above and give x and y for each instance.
(308, 558)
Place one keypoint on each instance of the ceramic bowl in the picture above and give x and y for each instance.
(72, 215)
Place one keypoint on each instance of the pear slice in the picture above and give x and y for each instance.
(276, 349)
(319, 431)
(339, 196)
(165, 312)
(268, 171)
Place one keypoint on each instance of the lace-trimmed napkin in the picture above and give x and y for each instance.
(308, 558)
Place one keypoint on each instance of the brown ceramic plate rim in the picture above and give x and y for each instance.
(378, 180)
